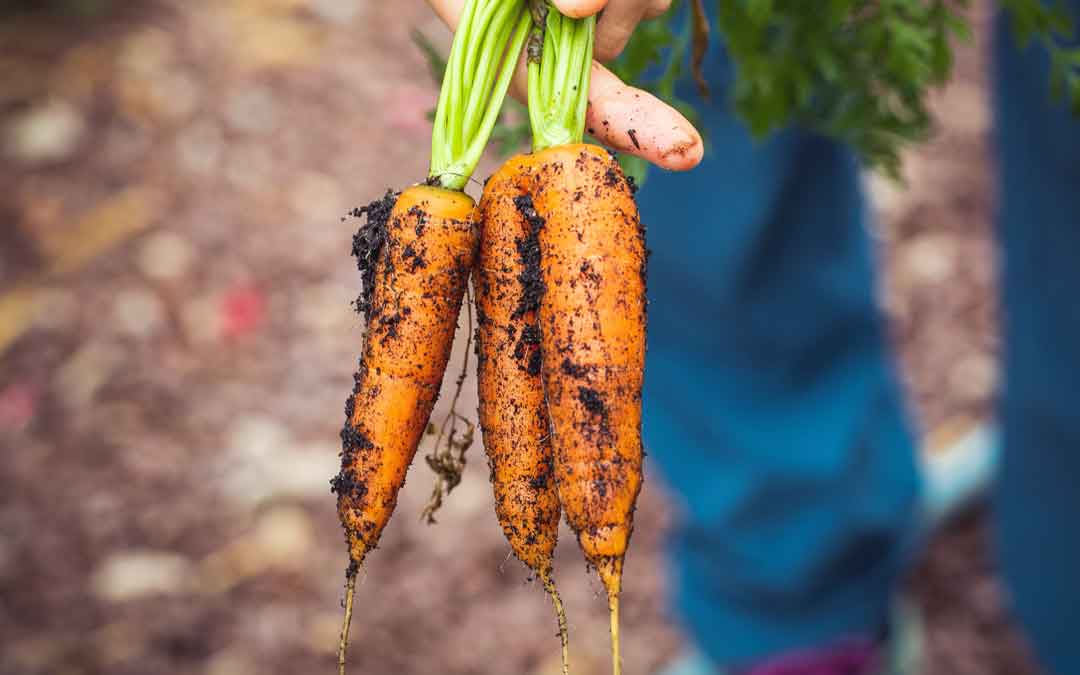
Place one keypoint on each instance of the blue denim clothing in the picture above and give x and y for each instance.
(772, 406)
(1038, 498)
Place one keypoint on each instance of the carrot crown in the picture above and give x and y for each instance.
(478, 71)
(560, 65)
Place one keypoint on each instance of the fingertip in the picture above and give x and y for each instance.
(610, 43)
(636, 122)
(683, 155)
(579, 9)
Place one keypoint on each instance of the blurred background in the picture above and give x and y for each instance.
(176, 345)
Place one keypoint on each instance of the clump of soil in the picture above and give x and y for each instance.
(532, 286)
(368, 243)
(528, 248)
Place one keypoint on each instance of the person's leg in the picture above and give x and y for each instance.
(771, 404)
(1038, 499)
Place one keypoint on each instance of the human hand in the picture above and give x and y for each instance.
(618, 22)
(622, 117)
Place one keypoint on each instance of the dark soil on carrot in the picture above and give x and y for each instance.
(532, 283)
(368, 243)
(176, 338)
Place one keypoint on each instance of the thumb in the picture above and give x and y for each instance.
(577, 9)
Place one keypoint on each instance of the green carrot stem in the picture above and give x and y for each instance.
(559, 77)
(478, 73)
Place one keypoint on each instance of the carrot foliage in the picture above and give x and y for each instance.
(476, 78)
(560, 63)
(859, 71)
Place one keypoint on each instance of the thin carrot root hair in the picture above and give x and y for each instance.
(616, 657)
(343, 644)
(451, 444)
(560, 613)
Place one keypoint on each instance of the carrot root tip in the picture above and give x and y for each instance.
(343, 644)
(616, 658)
(560, 613)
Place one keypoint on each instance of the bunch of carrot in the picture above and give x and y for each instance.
(557, 257)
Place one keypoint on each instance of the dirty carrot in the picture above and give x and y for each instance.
(512, 412)
(417, 263)
(416, 252)
(593, 327)
(592, 309)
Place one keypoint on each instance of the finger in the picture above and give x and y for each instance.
(657, 8)
(579, 9)
(449, 11)
(633, 121)
(636, 122)
(614, 28)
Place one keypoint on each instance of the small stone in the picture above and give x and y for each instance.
(47, 133)
(252, 110)
(165, 256)
(282, 474)
(303, 473)
(284, 536)
(255, 438)
(135, 574)
(138, 313)
(930, 258)
(262, 461)
(199, 148)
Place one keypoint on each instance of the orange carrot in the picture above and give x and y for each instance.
(513, 415)
(416, 260)
(592, 316)
(592, 312)
(419, 280)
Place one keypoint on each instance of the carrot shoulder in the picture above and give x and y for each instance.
(417, 280)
